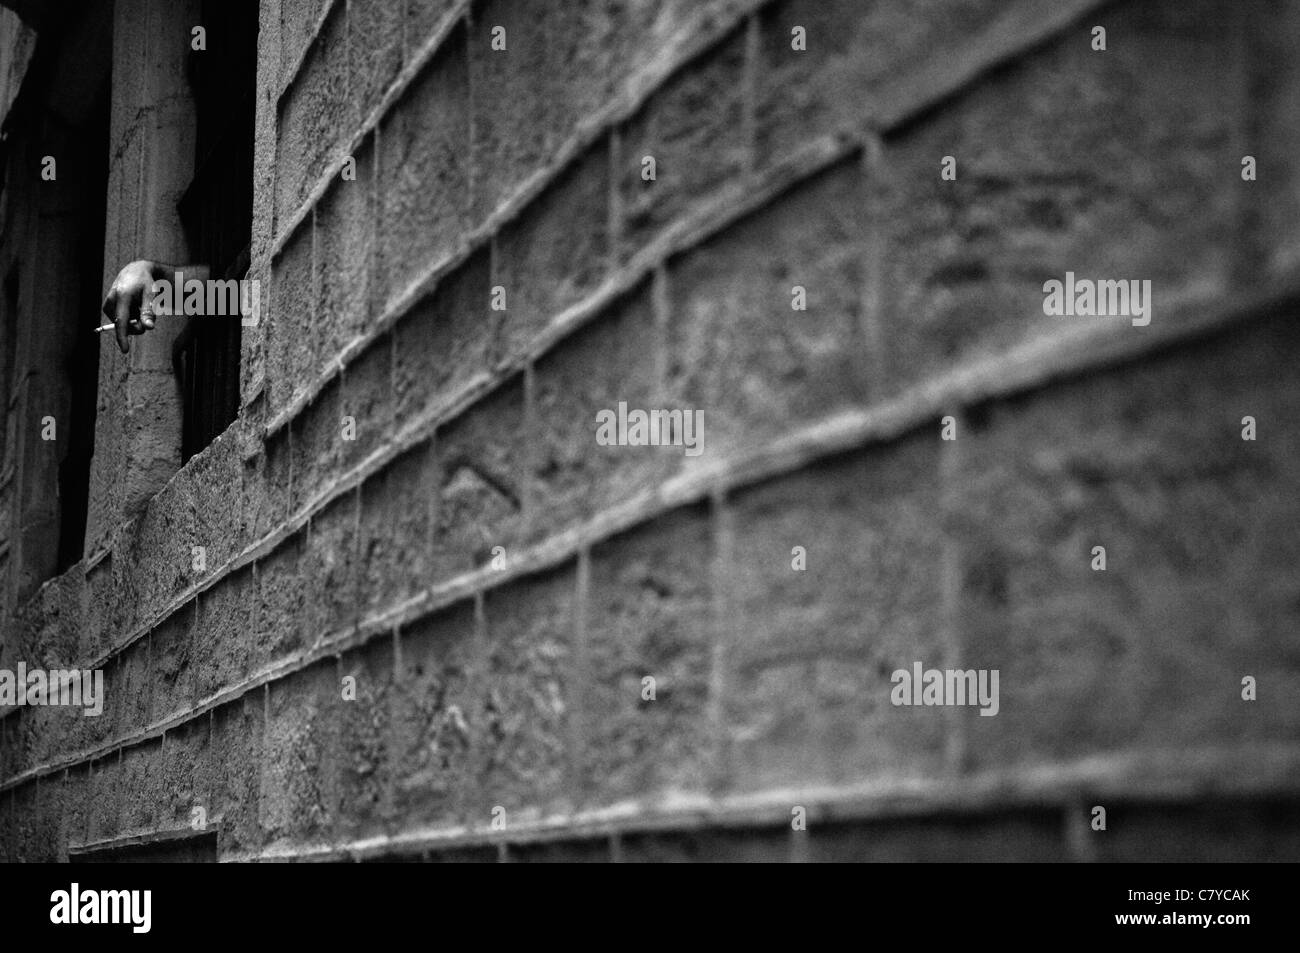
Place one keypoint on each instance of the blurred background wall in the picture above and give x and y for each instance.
(405, 605)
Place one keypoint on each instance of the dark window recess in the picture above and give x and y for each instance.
(8, 352)
(217, 212)
(81, 364)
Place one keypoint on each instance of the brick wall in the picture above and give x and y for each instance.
(506, 685)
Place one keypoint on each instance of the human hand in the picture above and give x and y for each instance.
(127, 304)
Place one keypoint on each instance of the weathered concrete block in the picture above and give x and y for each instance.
(141, 774)
(107, 798)
(366, 753)
(529, 686)
(614, 359)
(314, 117)
(212, 485)
(481, 458)
(281, 612)
(398, 516)
(187, 776)
(438, 729)
(291, 343)
(422, 18)
(740, 351)
(511, 105)
(367, 401)
(297, 26)
(810, 651)
(556, 251)
(317, 445)
(299, 790)
(694, 130)
(1198, 589)
(446, 339)
(1065, 163)
(330, 569)
(25, 832)
(374, 53)
(268, 490)
(9, 746)
(849, 51)
(345, 254)
(237, 744)
(130, 705)
(649, 617)
(222, 641)
(596, 46)
(424, 171)
(171, 671)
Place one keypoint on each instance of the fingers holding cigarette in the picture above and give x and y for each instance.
(128, 303)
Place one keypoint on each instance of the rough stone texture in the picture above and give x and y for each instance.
(220, 644)
(300, 764)
(738, 350)
(298, 20)
(329, 571)
(1098, 167)
(597, 45)
(851, 52)
(475, 429)
(290, 325)
(693, 128)
(171, 667)
(481, 464)
(375, 31)
(438, 730)
(424, 171)
(345, 242)
(810, 652)
(555, 252)
(456, 325)
(281, 624)
(648, 616)
(310, 131)
(316, 446)
(510, 103)
(366, 745)
(237, 744)
(399, 511)
(1199, 588)
(601, 365)
(134, 694)
(368, 400)
(523, 699)
(422, 18)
